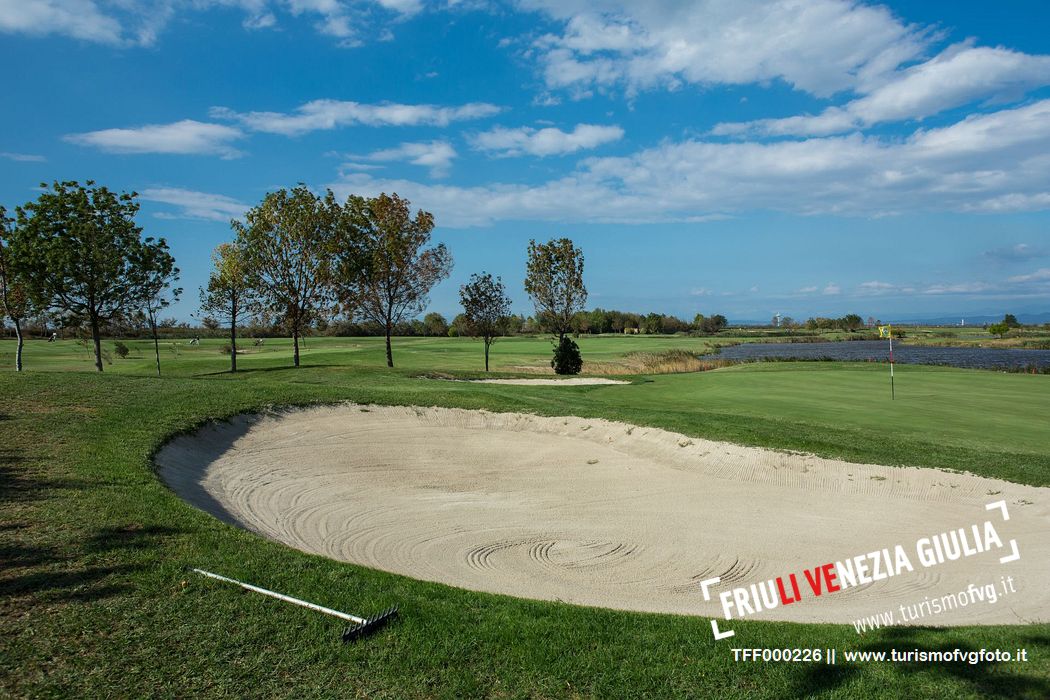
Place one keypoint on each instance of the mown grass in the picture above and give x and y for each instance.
(96, 600)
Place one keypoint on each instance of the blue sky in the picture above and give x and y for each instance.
(733, 157)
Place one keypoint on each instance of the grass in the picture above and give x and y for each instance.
(95, 599)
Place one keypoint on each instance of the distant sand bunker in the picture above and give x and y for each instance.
(599, 513)
(575, 381)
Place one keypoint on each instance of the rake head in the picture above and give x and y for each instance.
(370, 625)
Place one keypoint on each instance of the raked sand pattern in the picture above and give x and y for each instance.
(600, 513)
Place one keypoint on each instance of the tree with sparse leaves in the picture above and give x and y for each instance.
(156, 292)
(289, 246)
(486, 308)
(82, 254)
(13, 292)
(229, 293)
(554, 282)
(385, 271)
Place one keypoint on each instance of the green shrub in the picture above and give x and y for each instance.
(121, 349)
(567, 358)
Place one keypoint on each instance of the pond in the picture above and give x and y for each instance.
(878, 350)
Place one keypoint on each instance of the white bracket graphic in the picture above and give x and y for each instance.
(707, 596)
(1001, 505)
(1013, 557)
(720, 635)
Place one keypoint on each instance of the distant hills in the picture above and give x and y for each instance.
(971, 320)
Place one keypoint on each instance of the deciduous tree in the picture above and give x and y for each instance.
(13, 292)
(435, 324)
(486, 307)
(554, 282)
(156, 293)
(289, 245)
(82, 254)
(229, 293)
(385, 270)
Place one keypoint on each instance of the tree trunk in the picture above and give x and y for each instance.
(487, 343)
(97, 340)
(295, 343)
(156, 343)
(233, 342)
(18, 348)
(389, 354)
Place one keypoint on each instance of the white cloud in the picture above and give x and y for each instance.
(331, 114)
(127, 23)
(1012, 202)
(195, 205)
(958, 76)
(1040, 275)
(960, 288)
(807, 290)
(545, 142)
(183, 137)
(1016, 253)
(403, 7)
(79, 19)
(436, 155)
(819, 46)
(831, 289)
(22, 157)
(985, 157)
(877, 287)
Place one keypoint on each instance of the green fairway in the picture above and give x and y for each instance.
(97, 601)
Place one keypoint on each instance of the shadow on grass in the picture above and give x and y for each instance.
(1005, 679)
(47, 577)
(128, 537)
(19, 483)
(260, 370)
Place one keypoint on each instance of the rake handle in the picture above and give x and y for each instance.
(286, 598)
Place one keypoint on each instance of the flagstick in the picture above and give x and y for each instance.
(892, 394)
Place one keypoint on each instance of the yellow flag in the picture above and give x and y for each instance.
(884, 331)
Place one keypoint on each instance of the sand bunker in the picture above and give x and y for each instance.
(600, 513)
(575, 381)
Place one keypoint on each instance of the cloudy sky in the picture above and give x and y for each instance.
(747, 158)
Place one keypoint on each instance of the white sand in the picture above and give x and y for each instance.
(575, 381)
(600, 513)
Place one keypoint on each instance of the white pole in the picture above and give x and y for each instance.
(285, 598)
(892, 393)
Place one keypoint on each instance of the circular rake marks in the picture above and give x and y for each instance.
(594, 512)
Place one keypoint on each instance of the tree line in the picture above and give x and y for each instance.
(298, 261)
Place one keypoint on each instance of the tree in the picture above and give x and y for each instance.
(229, 293)
(458, 328)
(288, 245)
(713, 324)
(210, 322)
(485, 307)
(1000, 329)
(554, 282)
(155, 292)
(435, 324)
(13, 292)
(852, 322)
(567, 358)
(81, 253)
(1011, 321)
(385, 273)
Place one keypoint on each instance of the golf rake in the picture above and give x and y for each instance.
(362, 626)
